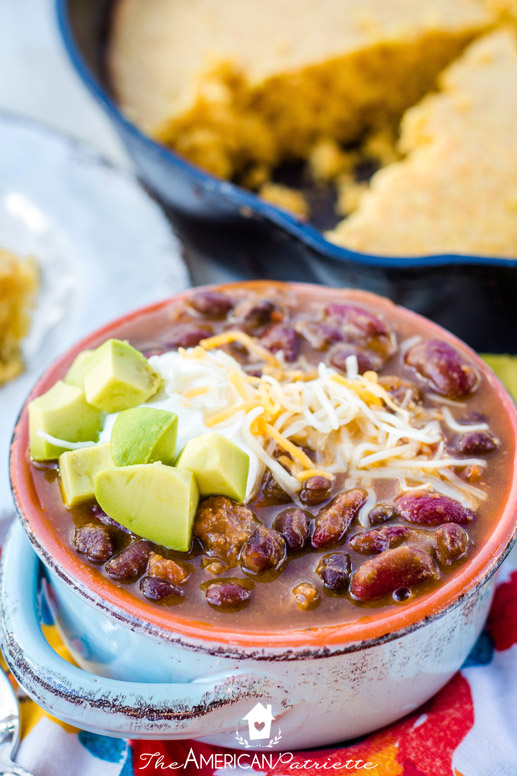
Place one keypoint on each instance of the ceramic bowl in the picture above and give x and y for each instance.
(148, 672)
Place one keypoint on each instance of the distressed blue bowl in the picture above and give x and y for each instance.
(473, 296)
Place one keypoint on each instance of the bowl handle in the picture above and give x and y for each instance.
(99, 704)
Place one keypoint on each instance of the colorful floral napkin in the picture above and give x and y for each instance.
(468, 729)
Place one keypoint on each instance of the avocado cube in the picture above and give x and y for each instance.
(220, 466)
(64, 413)
(154, 501)
(75, 375)
(78, 468)
(144, 435)
(117, 377)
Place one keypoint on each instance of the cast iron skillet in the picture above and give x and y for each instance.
(473, 296)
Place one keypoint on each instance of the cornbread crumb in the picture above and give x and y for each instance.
(18, 286)
(452, 192)
(286, 198)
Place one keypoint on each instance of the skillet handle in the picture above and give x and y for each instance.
(99, 704)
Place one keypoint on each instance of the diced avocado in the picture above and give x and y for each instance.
(78, 468)
(144, 435)
(75, 375)
(64, 413)
(505, 368)
(117, 377)
(220, 466)
(154, 501)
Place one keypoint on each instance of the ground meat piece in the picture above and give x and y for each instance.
(131, 563)
(281, 337)
(166, 568)
(306, 595)
(223, 526)
(263, 551)
(94, 541)
(333, 521)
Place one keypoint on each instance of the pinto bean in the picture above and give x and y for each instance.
(477, 443)
(451, 543)
(443, 368)
(335, 569)
(366, 360)
(427, 508)
(294, 525)
(401, 567)
(333, 521)
(402, 391)
(227, 594)
(379, 539)
(315, 490)
(382, 512)
(131, 563)
(188, 336)
(264, 550)
(306, 595)
(159, 589)
(281, 337)
(319, 335)
(94, 541)
(166, 568)
(223, 526)
(211, 304)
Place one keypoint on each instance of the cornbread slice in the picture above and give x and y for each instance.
(456, 190)
(240, 83)
(506, 9)
(18, 286)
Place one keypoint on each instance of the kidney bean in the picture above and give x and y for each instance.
(402, 391)
(315, 490)
(306, 595)
(476, 443)
(319, 335)
(227, 594)
(131, 563)
(98, 513)
(166, 568)
(159, 589)
(333, 521)
(443, 368)
(361, 327)
(382, 512)
(264, 550)
(366, 361)
(188, 336)
(94, 541)
(253, 314)
(294, 525)
(427, 508)
(335, 569)
(451, 543)
(398, 568)
(379, 539)
(211, 304)
(223, 526)
(281, 337)
(402, 594)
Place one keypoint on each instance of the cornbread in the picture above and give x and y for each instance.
(238, 85)
(18, 285)
(456, 189)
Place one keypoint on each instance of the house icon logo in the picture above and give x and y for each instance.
(259, 721)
